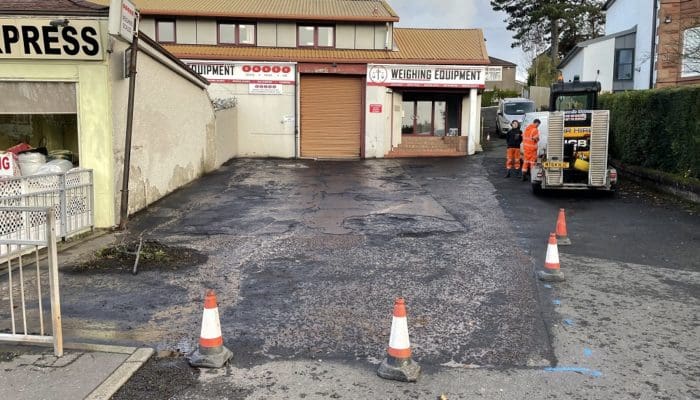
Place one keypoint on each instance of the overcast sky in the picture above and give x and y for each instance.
(463, 14)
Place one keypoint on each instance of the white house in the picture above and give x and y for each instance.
(623, 59)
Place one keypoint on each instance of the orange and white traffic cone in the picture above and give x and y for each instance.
(211, 352)
(398, 364)
(552, 271)
(562, 235)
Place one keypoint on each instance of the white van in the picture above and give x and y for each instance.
(512, 109)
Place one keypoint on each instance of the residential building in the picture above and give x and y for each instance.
(678, 61)
(330, 79)
(622, 59)
(501, 74)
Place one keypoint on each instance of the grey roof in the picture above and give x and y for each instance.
(500, 62)
(572, 54)
(51, 7)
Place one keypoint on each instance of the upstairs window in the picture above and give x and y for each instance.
(316, 36)
(691, 52)
(165, 31)
(624, 64)
(236, 33)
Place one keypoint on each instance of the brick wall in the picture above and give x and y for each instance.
(681, 14)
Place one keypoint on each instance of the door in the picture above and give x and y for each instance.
(331, 116)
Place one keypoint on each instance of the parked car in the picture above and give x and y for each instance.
(512, 109)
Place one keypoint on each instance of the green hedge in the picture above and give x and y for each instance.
(491, 98)
(657, 129)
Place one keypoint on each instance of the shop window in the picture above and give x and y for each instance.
(691, 52)
(41, 116)
(424, 117)
(316, 36)
(236, 33)
(165, 31)
(624, 64)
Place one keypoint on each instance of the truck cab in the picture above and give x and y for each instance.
(573, 147)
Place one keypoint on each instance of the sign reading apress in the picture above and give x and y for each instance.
(446, 76)
(37, 38)
(245, 72)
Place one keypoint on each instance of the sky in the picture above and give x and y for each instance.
(463, 14)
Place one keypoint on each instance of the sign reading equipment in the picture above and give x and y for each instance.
(245, 72)
(75, 39)
(445, 76)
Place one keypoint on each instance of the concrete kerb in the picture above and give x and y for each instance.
(122, 374)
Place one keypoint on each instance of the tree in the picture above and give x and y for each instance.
(552, 22)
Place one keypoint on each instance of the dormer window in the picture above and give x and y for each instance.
(316, 36)
(237, 33)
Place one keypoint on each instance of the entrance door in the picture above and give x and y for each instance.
(424, 117)
(331, 116)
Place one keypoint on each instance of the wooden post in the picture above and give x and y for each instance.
(53, 283)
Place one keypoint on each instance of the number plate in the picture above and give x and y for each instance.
(555, 164)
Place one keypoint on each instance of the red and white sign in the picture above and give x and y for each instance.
(7, 164)
(264, 88)
(375, 108)
(438, 76)
(245, 72)
(123, 19)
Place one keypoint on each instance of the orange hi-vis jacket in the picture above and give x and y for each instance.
(530, 138)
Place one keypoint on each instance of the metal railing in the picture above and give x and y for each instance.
(23, 285)
(70, 195)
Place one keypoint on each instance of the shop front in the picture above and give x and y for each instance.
(423, 110)
(55, 102)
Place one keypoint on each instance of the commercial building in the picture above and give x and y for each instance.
(331, 79)
(63, 88)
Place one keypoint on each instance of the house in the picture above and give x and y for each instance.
(330, 79)
(501, 74)
(622, 59)
(64, 89)
(678, 61)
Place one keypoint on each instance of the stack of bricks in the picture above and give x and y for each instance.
(429, 146)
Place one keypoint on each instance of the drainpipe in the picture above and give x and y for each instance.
(653, 44)
(296, 111)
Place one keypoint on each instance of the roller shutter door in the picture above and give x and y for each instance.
(331, 116)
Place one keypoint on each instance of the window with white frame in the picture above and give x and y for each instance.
(691, 52)
(236, 33)
(316, 36)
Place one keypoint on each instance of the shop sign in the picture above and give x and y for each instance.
(123, 19)
(34, 38)
(494, 74)
(245, 72)
(264, 88)
(7, 164)
(375, 108)
(438, 76)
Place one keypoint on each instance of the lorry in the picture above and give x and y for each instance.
(573, 145)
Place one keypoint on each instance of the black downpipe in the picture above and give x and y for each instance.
(653, 44)
(124, 206)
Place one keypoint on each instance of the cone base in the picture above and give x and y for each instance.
(210, 358)
(563, 241)
(551, 277)
(402, 370)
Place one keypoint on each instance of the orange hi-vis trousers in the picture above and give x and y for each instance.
(513, 158)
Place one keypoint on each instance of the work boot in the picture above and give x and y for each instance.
(507, 173)
(523, 174)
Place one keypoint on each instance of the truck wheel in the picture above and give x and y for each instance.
(537, 189)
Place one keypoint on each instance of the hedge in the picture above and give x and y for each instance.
(657, 129)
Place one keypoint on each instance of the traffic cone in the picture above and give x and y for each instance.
(398, 364)
(211, 352)
(562, 235)
(552, 272)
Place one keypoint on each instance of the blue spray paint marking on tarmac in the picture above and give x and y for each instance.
(569, 322)
(587, 352)
(556, 302)
(547, 286)
(580, 370)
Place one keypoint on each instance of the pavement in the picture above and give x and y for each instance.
(89, 372)
(307, 258)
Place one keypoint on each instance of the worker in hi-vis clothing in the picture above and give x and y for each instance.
(530, 139)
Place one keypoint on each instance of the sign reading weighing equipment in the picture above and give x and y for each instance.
(245, 72)
(447, 76)
(79, 39)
